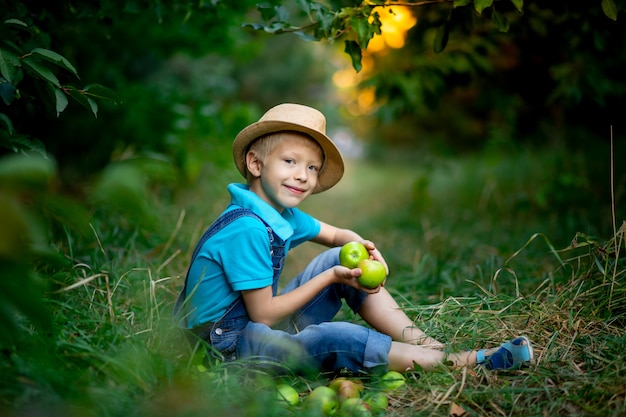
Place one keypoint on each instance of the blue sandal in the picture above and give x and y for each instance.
(510, 355)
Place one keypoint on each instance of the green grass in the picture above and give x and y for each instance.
(480, 250)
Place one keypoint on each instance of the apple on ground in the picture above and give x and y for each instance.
(373, 273)
(377, 402)
(352, 253)
(346, 388)
(286, 394)
(323, 400)
(354, 407)
(392, 381)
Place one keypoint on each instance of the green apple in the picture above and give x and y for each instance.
(354, 407)
(287, 394)
(373, 273)
(323, 400)
(378, 402)
(352, 253)
(346, 388)
(392, 381)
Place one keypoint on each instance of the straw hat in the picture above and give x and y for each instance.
(299, 118)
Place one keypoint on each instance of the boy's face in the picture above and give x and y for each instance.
(289, 172)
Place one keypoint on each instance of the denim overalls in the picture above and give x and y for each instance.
(309, 339)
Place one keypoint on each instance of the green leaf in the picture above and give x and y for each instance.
(481, 5)
(253, 26)
(325, 18)
(24, 144)
(102, 93)
(352, 48)
(276, 27)
(20, 171)
(41, 71)
(267, 11)
(363, 31)
(16, 22)
(7, 122)
(460, 3)
(519, 4)
(123, 188)
(500, 21)
(55, 58)
(8, 92)
(305, 6)
(60, 100)
(21, 297)
(82, 99)
(305, 36)
(441, 38)
(609, 9)
(9, 65)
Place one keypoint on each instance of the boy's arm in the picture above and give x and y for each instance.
(263, 307)
(332, 236)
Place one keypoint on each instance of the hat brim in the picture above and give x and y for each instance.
(331, 171)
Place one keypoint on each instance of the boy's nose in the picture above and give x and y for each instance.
(302, 174)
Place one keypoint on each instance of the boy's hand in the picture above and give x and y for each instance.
(350, 277)
(375, 253)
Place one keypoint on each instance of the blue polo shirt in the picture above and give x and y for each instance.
(238, 257)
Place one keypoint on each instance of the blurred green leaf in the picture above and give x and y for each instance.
(15, 229)
(20, 297)
(609, 9)
(30, 171)
(22, 143)
(461, 3)
(122, 187)
(500, 21)
(7, 122)
(481, 5)
(16, 22)
(8, 92)
(519, 4)
(305, 6)
(71, 214)
(441, 38)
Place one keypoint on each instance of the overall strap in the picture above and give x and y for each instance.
(223, 221)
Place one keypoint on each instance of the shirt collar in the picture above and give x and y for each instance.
(281, 223)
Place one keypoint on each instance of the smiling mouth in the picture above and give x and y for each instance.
(295, 190)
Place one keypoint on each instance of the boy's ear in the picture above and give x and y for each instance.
(253, 163)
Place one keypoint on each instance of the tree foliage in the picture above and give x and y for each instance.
(481, 67)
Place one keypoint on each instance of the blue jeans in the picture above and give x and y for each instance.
(308, 340)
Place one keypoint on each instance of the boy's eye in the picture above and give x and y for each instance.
(314, 168)
(289, 161)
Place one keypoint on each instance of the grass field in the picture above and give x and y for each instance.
(479, 251)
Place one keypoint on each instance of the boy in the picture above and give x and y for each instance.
(231, 291)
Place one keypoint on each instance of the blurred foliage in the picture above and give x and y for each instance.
(554, 72)
(475, 71)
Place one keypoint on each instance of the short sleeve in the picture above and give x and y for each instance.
(306, 227)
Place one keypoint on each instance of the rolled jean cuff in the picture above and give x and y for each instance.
(376, 352)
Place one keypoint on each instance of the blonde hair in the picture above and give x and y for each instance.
(264, 145)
